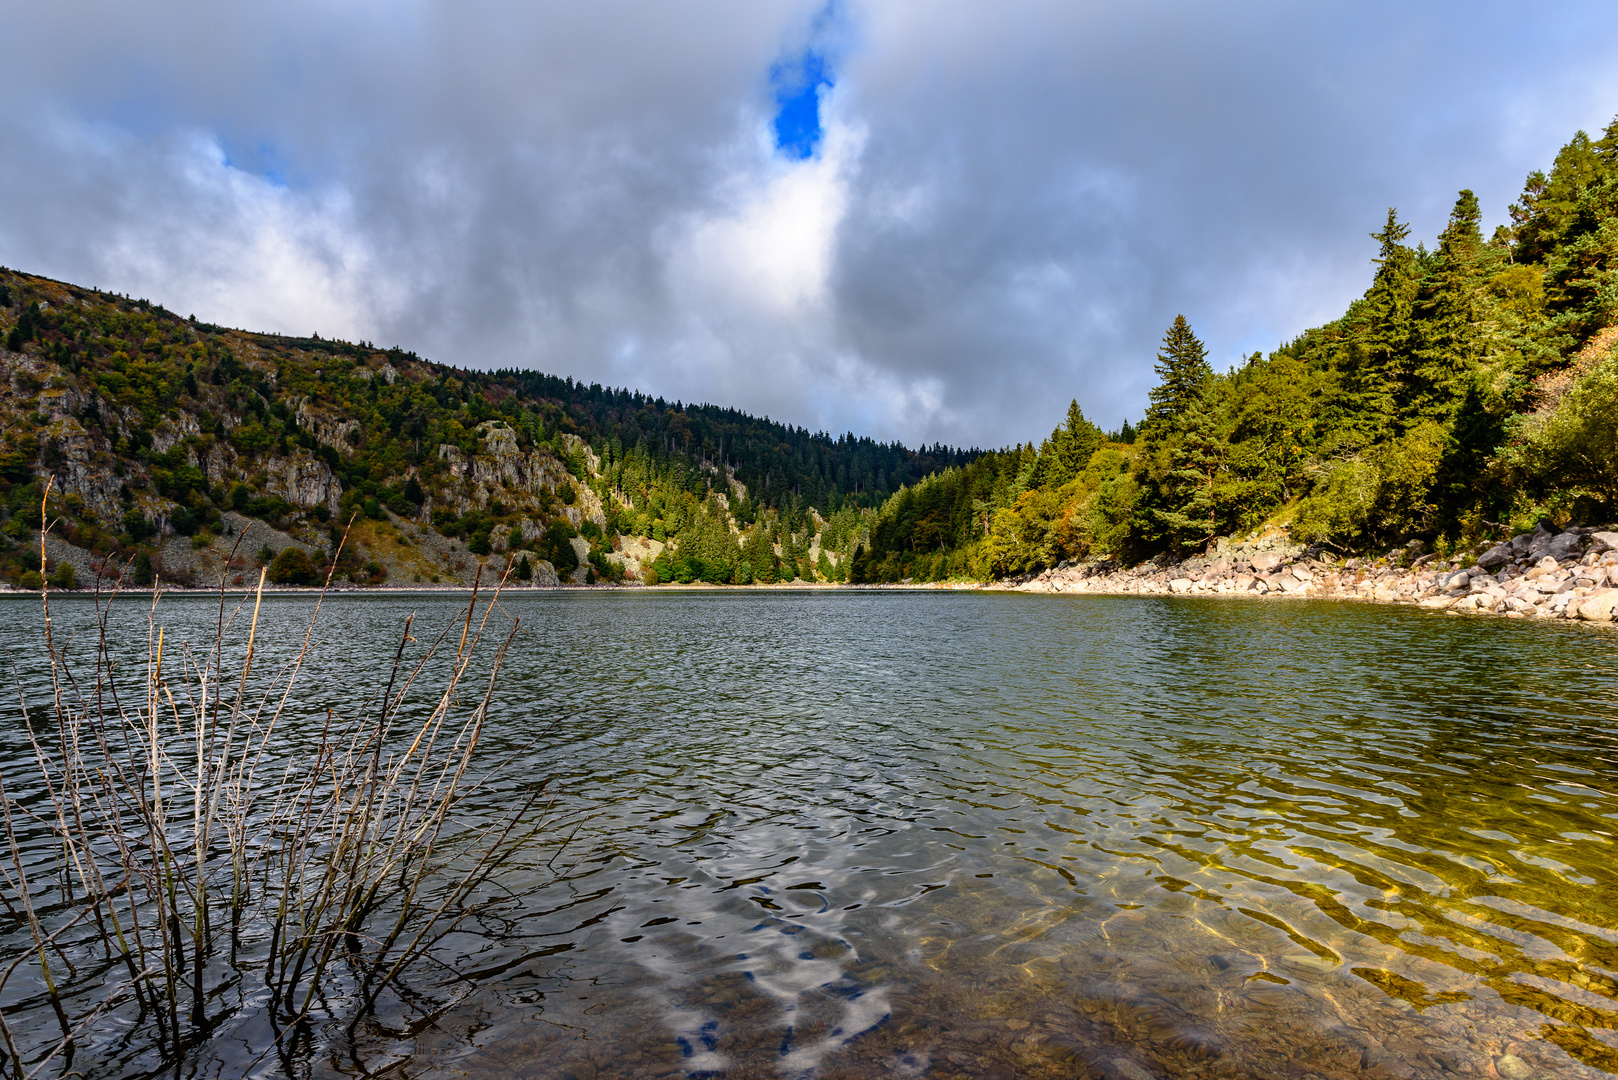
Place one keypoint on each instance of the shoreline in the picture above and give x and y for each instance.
(1572, 575)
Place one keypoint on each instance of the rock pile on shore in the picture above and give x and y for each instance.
(1544, 574)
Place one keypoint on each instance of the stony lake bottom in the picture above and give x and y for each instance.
(995, 835)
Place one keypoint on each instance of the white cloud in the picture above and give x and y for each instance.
(171, 220)
(768, 251)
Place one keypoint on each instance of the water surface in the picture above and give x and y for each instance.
(945, 834)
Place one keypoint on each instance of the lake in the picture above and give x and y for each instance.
(934, 834)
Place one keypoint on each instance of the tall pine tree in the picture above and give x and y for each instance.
(1448, 337)
(1183, 451)
(1182, 368)
(1383, 333)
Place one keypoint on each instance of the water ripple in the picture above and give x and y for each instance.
(935, 834)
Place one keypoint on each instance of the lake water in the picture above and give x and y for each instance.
(919, 834)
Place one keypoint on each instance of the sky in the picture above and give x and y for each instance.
(932, 222)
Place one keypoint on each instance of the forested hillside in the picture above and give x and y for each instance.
(1471, 391)
(162, 438)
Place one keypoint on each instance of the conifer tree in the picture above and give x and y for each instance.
(1189, 515)
(1182, 452)
(1064, 455)
(1182, 368)
(26, 329)
(1383, 335)
(1080, 440)
(1549, 206)
(1447, 328)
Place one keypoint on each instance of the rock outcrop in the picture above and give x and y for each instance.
(328, 430)
(304, 481)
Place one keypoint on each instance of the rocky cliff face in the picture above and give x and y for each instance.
(530, 481)
(304, 481)
(328, 430)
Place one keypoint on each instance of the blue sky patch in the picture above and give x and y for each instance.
(260, 159)
(798, 85)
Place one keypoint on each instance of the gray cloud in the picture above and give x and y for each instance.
(1010, 204)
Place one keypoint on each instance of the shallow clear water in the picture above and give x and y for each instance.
(941, 834)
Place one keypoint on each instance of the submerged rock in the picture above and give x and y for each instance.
(1512, 1067)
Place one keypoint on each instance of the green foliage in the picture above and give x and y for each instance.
(273, 400)
(1187, 506)
(292, 567)
(26, 328)
(138, 526)
(1380, 495)
(557, 548)
(859, 566)
(1573, 446)
(1067, 451)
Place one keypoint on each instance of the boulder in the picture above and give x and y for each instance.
(1266, 560)
(1565, 546)
(1604, 541)
(1496, 556)
(1540, 542)
(1597, 607)
(1180, 585)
